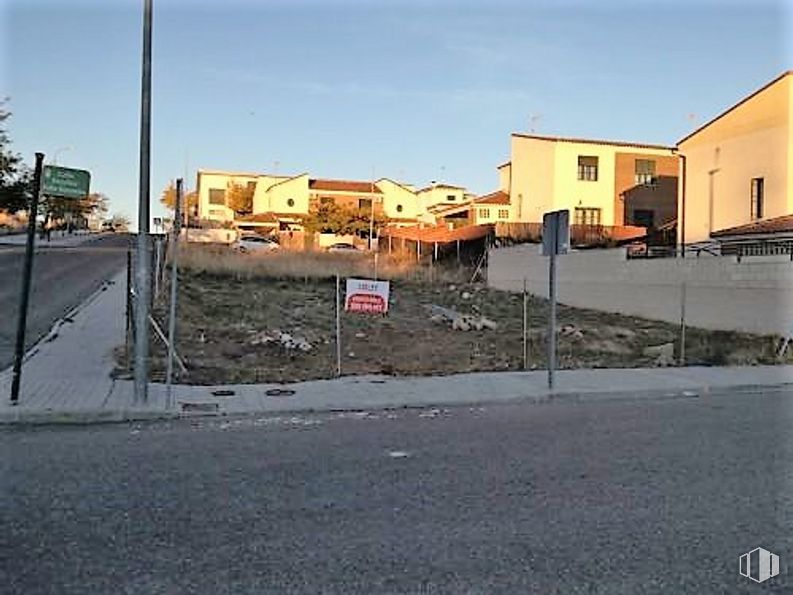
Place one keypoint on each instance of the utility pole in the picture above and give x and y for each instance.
(143, 280)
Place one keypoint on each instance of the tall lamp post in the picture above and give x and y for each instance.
(142, 278)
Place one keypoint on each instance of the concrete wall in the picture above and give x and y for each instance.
(290, 196)
(751, 141)
(532, 178)
(544, 176)
(217, 181)
(394, 196)
(755, 295)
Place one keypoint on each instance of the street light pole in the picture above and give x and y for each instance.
(142, 278)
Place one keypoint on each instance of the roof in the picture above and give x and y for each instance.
(494, 198)
(740, 103)
(440, 234)
(777, 225)
(343, 186)
(220, 172)
(590, 141)
(268, 217)
(433, 186)
(505, 164)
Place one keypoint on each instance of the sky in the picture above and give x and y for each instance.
(412, 90)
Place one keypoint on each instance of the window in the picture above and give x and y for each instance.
(399, 208)
(586, 216)
(645, 172)
(450, 197)
(503, 213)
(290, 202)
(326, 200)
(364, 204)
(251, 186)
(484, 213)
(217, 196)
(587, 168)
(758, 191)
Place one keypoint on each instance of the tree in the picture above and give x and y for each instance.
(239, 198)
(168, 198)
(332, 218)
(15, 177)
(120, 222)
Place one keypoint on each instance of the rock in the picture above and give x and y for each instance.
(360, 335)
(664, 354)
(460, 324)
(452, 288)
(437, 318)
(351, 354)
(489, 324)
(466, 295)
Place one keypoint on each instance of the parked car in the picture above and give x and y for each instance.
(343, 247)
(250, 244)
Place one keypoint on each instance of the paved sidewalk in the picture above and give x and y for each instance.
(68, 379)
(70, 368)
(58, 240)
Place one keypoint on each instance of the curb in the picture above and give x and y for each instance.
(103, 416)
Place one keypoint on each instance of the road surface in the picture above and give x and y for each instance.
(629, 497)
(62, 279)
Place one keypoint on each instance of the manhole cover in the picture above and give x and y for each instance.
(201, 407)
(279, 392)
(223, 393)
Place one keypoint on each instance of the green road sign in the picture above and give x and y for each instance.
(65, 182)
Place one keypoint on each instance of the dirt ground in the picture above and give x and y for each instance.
(222, 317)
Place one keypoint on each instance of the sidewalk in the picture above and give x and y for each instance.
(58, 239)
(67, 379)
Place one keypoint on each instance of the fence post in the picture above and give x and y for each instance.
(525, 327)
(128, 308)
(338, 326)
(682, 354)
(174, 286)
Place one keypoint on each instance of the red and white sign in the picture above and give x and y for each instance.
(365, 295)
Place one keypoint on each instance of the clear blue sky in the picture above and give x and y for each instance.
(415, 90)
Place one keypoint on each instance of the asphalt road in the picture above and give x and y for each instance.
(628, 497)
(62, 279)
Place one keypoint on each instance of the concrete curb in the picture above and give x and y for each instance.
(23, 417)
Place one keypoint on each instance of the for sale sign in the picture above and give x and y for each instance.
(365, 295)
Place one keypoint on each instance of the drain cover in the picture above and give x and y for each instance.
(279, 392)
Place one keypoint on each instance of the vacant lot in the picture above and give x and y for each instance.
(231, 309)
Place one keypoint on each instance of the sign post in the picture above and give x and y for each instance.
(555, 240)
(19, 350)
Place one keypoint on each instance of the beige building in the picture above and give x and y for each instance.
(737, 169)
(600, 182)
(280, 202)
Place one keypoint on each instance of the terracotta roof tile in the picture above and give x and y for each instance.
(343, 186)
(440, 234)
(783, 224)
(494, 198)
(591, 141)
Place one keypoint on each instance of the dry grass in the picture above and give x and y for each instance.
(284, 264)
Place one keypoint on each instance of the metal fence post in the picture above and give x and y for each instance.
(174, 287)
(682, 354)
(525, 326)
(27, 274)
(338, 326)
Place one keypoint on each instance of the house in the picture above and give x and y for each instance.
(280, 202)
(737, 169)
(601, 182)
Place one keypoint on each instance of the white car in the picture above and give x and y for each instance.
(251, 244)
(343, 247)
